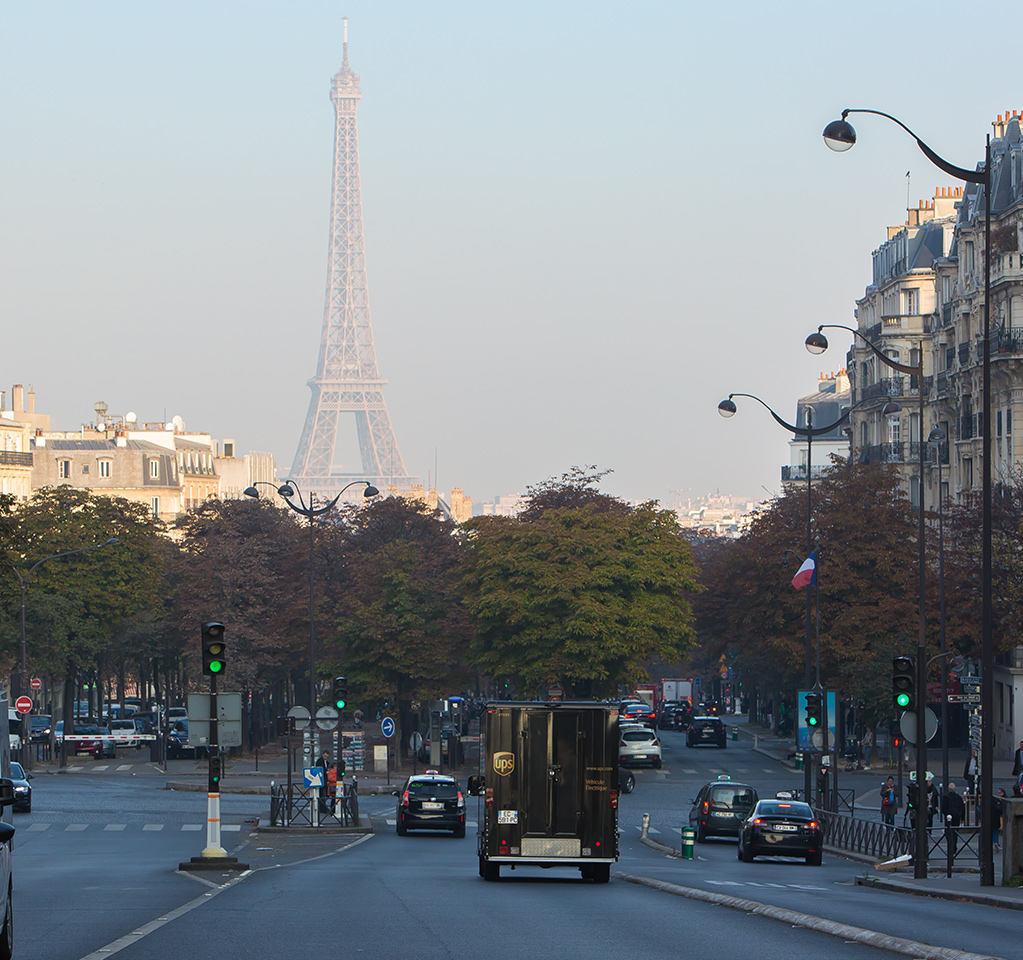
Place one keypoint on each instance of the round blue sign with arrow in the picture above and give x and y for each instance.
(387, 727)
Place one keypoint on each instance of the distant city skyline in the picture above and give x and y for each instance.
(583, 227)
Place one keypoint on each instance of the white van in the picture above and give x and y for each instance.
(14, 726)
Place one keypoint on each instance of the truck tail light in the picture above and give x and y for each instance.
(613, 796)
(489, 797)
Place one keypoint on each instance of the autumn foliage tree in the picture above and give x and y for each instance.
(581, 588)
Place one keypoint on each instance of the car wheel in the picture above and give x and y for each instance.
(701, 834)
(747, 854)
(738, 850)
(723, 744)
(813, 859)
(657, 764)
(459, 831)
(7, 934)
(629, 783)
(601, 872)
(401, 829)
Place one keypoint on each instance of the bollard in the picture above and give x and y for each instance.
(799, 760)
(688, 843)
(645, 830)
(735, 733)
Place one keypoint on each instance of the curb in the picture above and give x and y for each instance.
(985, 899)
(870, 938)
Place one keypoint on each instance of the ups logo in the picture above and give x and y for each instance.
(504, 763)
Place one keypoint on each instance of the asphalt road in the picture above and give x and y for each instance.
(96, 876)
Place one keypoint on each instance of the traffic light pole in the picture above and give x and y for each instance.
(213, 845)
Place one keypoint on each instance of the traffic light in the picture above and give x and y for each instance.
(340, 692)
(213, 648)
(903, 683)
(813, 710)
(214, 779)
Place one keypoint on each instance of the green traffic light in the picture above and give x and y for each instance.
(812, 721)
(340, 704)
(216, 666)
(902, 699)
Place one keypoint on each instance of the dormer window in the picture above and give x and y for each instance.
(154, 469)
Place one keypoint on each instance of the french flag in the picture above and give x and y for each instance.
(806, 575)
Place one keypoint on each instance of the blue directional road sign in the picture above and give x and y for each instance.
(387, 727)
(313, 776)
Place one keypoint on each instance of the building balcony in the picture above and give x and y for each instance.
(795, 474)
(882, 453)
(889, 387)
(14, 458)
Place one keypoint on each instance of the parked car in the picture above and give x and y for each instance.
(781, 828)
(720, 808)
(22, 787)
(706, 730)
(125, 733)
(88, 738)
(639, 745)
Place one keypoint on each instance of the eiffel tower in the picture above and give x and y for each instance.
(347, 379)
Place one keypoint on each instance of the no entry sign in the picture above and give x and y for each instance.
(23, 705)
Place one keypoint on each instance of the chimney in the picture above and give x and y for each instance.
(18, 398)
(40, 439)
(121, 438)
(31, 400)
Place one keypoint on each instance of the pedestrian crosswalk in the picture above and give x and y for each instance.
(119, 827)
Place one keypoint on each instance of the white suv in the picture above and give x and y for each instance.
(639, 745)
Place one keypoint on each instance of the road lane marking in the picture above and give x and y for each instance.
(39, 826)
(75, 827)
(191, 826)
(102, 766)
(126, 766)
(115, 826)
(152, 826)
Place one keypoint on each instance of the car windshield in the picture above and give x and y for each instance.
(733, 796)
(781, 809)
(441, 789)
(638, 735)
(17, 773)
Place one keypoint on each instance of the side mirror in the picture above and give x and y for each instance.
(395, 793)
(6, 792)
(6, 832)
(475, 785)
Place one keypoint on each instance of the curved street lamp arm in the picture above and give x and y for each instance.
(113, 541)
(894, 364)
(809, 432)
(960, 173)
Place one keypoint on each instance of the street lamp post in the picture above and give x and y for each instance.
(937, 438)
(817, 343)
(23, 584)
(728, 409)
(839, 135)
(287, 491)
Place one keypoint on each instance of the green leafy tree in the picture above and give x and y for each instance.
(580, 587)
(401, 629)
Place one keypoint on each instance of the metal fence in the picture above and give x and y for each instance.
(295, 808)
(867, 837)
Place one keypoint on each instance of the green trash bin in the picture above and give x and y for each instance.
(799, 760)
(688, 843)
(735, 733)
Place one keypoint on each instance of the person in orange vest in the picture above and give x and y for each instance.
(331, 787)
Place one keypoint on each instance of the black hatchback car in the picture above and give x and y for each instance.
(781, 828)
(706, 730)
(430, 801)
(721, 807)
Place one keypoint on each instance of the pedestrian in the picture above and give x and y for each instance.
(997, 812)
(1017, 761)
(971, 771)
(889, 802)
(332, 788)
(323, 763)
(868, 745)
(953, 805)
(932, 802)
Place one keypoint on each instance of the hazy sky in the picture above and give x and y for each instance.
(586, 222)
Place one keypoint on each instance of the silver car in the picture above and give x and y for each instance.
(639, 745)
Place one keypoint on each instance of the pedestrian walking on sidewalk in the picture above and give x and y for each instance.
(971, 771)
(889, 802)
(953, 805)
(1017, 761)
(868, 745)
(997, 811)
(932, 802)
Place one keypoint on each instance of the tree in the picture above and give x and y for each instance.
(580, 587)
(401, 629)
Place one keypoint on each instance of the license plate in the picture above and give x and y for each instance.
(507, 816)
(786, 827)
(715, 814)
(433, 806)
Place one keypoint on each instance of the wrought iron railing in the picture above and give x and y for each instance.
(867, 837)
(295, 808)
